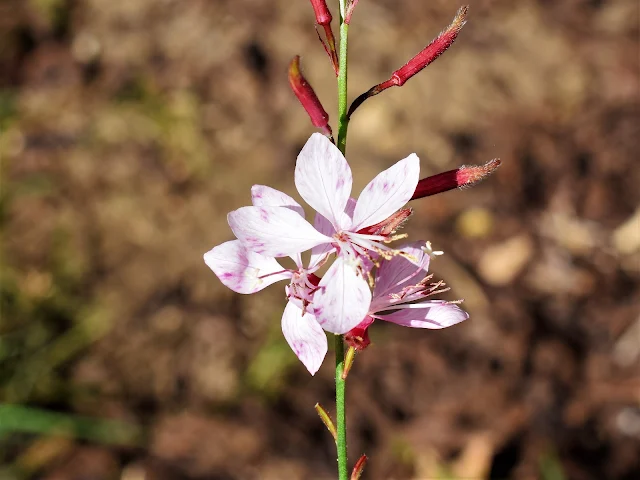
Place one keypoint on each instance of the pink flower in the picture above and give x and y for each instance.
(323, 179)
(401, 296)
(244, 271)
(275, 226)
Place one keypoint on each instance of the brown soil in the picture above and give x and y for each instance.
(130, 129)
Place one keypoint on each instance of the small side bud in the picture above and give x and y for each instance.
(358, 468)
(326, 419)
(459, 178)
(432, 51)
(308, 98)
(323, 15)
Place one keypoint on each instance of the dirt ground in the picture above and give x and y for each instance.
(130, 129)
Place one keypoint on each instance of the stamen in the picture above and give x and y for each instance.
(286, 270)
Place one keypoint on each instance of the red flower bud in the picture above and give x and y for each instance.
(308, 98)
(323, 15)
(358, 468)
(432, 51)
(459, 178)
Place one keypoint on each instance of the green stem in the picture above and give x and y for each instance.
(343, 122)
(341, 420)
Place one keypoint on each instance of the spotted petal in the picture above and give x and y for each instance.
(433, 315)
(343, 299)
(241, 270)
(387, 193)
(264, 196)
(274, 231)
(305, 337)
(324, 180)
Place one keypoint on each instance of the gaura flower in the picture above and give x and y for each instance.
(244, 271)
(323, 179)
(402, 293)
(356, 230)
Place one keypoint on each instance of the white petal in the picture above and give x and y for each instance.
(434, 315)
(274, 231)
(305, 337)
(387, 193)
(343, 299)
(241, 270)
(263, 196)
(319, 252)
(323, 178)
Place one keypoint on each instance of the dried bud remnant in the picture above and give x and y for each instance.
(459, 178)
(308, 98)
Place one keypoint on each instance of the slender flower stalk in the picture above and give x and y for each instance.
(367, 280)
(343, 123)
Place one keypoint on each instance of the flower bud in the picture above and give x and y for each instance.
(358, 468)
(459, 178)
(326, 419)
(308, 98)
(323, 15)
(432, 51)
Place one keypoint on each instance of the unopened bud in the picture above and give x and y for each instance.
(307, 97)
(358, 468)
(326, 419)
(323, 15)
(459, 178)
(432, 51)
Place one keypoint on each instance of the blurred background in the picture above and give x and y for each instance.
(130, 128)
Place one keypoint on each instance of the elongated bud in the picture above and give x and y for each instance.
(323, 15)
(358, 468)
(308, 98)
(459, 178)
(326, 419)
(432, 51)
